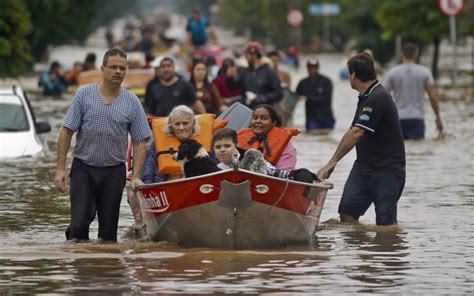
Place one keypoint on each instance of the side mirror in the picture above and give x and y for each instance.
(42, 127)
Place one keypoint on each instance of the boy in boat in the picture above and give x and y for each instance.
(226, 150)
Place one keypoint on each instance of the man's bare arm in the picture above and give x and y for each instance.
(138, 161)
(430, 89)
(64, 142)
(348, 141)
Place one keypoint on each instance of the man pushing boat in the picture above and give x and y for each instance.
(378, 174)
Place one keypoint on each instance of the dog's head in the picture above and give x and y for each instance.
(190, 149)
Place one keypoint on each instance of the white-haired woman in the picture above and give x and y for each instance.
(182, 125)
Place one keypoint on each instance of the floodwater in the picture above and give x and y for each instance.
(430, 252)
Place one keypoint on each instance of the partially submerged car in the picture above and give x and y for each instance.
(18, 127)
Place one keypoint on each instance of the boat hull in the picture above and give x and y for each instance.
(230, 209)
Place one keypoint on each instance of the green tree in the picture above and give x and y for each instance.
(357, 25)
(466, 21)
(58, 22)
(415, 20)
(14, 26)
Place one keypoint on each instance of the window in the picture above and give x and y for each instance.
(12, 114)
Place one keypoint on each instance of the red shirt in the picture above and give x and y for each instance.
(224, 90)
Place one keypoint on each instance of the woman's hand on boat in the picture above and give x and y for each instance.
(326, 171)
(135, 182)
(61, 181)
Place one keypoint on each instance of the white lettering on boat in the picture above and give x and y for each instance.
(155, 203)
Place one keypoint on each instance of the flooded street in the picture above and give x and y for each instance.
(430, 252)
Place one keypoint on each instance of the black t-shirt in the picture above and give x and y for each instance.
(149, 105)
(263, 82)
(381, 147)
(164, 98)
(318, 90)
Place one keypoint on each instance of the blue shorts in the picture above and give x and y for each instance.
(312, 124)
(413, 129)
(361, 190)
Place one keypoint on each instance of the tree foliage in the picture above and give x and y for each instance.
(419, 19)
(58, 21)
(357, 25)
(14, 27)
(29, 27)
(466, 19)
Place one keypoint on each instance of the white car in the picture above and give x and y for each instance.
(18, 127)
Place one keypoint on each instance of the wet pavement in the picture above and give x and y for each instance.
(430, 252)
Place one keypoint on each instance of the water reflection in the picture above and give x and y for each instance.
(106, 275)
(382, 257)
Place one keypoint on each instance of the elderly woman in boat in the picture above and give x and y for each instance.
(267, 135)
(181, 125)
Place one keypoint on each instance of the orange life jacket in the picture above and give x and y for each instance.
(277, 138)
(167, 145)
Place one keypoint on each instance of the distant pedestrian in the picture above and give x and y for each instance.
(155, 80)
(288, 103)
(72, 76)
(53, 82)
(378, 174)
(89, 62)
(283, 75)
(226, 82)
(316, 91)
(260, 84)
(103, 115)
(109, 36)
(377, 65)
(204, 90)
(198, 29)
(171, 91)
(409, 81)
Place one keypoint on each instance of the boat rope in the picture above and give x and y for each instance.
(242, 217)
(231, 231)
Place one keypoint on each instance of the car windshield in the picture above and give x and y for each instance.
(12, 114)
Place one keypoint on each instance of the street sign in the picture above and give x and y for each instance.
(294, 18)
(324, 9)
(451, 7)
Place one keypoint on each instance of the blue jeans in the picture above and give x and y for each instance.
(384, 190)
(313, 124)
(413, 129)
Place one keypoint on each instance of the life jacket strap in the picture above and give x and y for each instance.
(169, 151)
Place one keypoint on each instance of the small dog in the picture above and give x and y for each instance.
(194, 159)
(253, 161)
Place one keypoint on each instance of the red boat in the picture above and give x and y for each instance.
(229, 209)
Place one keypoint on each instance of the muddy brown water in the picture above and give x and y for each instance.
(431, 250)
